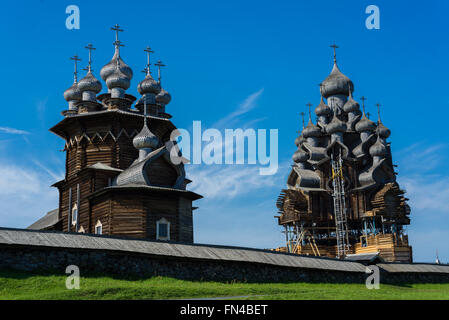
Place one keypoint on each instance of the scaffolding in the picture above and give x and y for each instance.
(338, 196)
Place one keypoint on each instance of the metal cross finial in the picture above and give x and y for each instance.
(117, 29)
(90, 48)
(117, 42)
(378, 105)
(148, 51)
(310, 112)
(302, 116)
(75, 73)
(159, 64)
(368, 115)
(363, 103)
(334, 46)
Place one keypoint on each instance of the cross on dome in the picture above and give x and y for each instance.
(75, 58)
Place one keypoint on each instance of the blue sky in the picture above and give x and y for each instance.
(219, 54)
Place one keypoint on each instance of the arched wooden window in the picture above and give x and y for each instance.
(98, 228)
(74, 214)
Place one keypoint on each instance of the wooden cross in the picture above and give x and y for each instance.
(159, 64)
(378, 105)
(302, 116)
(90, 48)
(75, 73)
(363, 103)
(117, 29)
(310, 112)
(334, 46)
(148, 51)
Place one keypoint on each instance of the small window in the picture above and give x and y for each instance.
(363, 241)
(74, 215)
(163, 229)
(98, 228)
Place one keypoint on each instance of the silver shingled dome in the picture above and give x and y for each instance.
(145, 139)
(118, 79)
(323, 109)
(73, 93)
(336, 83)
(311, 130)
(383, 131)
(110, 67)
(148, 85)
(89, 83)
(163, 97)
(299, 140)
(378, 149)
(300, 156)
(351, 105)
(365, 124)
(336, 125)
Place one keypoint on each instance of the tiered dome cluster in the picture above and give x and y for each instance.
(340, 121)
(117, 75)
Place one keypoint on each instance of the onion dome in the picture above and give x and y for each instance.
(109, 68)
(148, 85)
(336, 83)
(383, 131)
(378, 149)
(311, 130)
(365, 124)
(73, 93)
(351, 105)
(118, 79)
(89, 83)
(300, 139)
(145, 139)
(323, 109)
(300, 156)
(163, 97)
(336, 125)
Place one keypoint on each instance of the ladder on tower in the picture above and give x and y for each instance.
(338, 196)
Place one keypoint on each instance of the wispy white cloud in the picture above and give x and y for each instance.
(41, 107)
(423, 175)
(52, 173)
(13, 131)
(429, 195)
(25, 194)
(228, 181)
(421, 157)
(247, 105)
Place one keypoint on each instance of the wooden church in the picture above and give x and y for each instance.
(342, 198)
(120, 179)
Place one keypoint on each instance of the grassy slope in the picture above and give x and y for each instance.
(19, 285)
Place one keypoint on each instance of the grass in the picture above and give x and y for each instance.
(22, 285)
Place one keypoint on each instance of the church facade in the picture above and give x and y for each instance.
(342, 198)
(119, 177)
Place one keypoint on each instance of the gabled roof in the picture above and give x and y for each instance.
(365, 257)
(102, 166)
(47, 221)
(186, 193)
